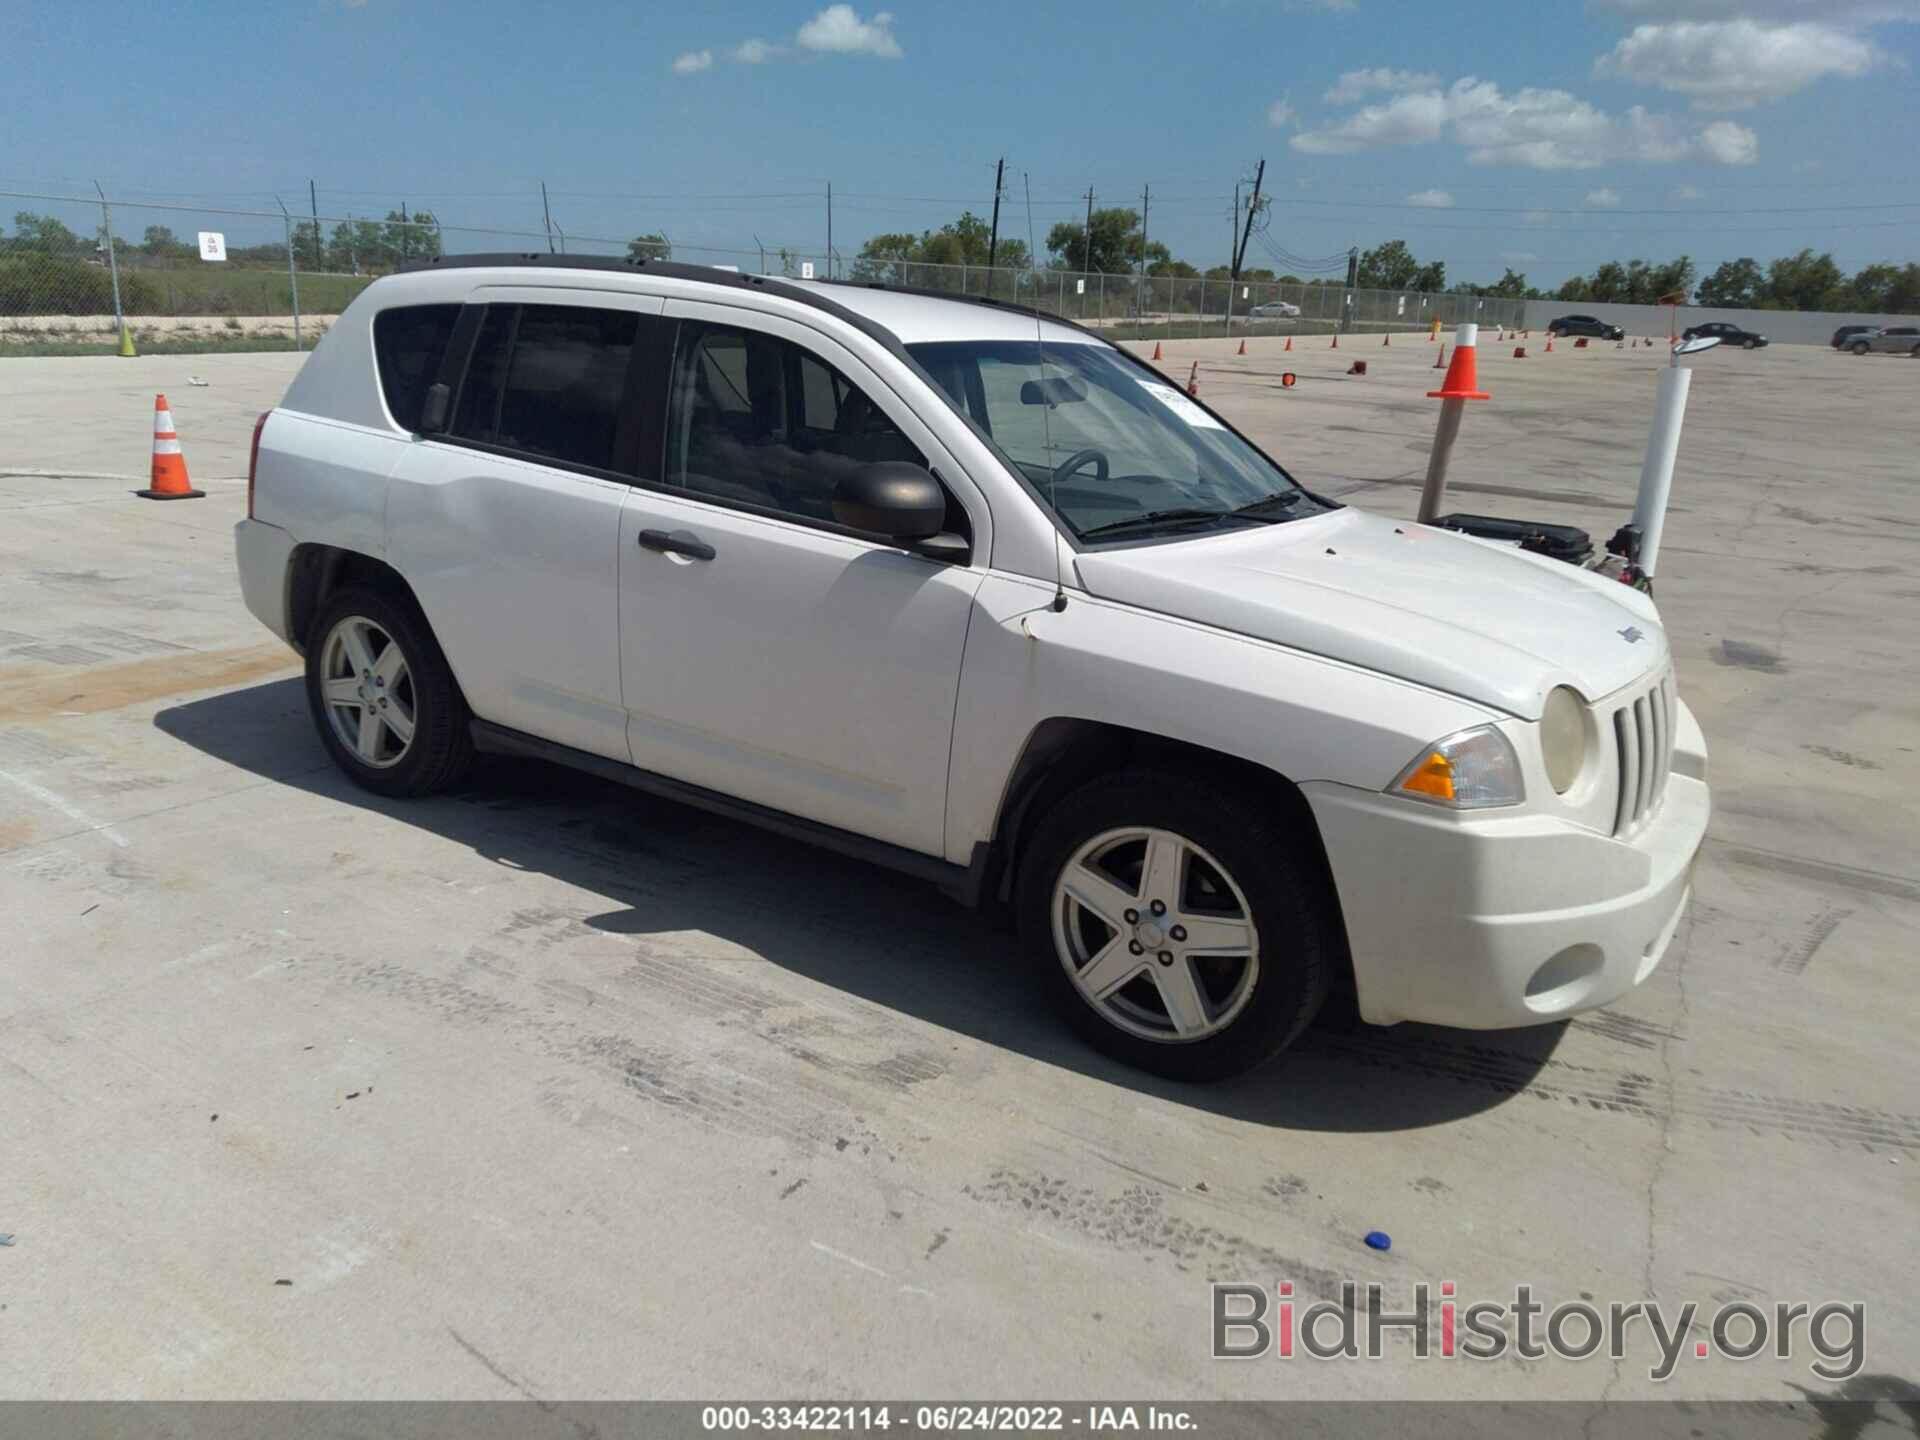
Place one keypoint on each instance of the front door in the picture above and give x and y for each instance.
(766, 651)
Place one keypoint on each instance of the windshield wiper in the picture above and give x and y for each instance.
(1176, 515)
(1278, 500)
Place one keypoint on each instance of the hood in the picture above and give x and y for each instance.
(1476, 619)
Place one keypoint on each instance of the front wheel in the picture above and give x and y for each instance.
(383, 697)
(1750, 345)
(1860, 349)
(1177, 926)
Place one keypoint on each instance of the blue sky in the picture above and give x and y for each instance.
(1490, 134)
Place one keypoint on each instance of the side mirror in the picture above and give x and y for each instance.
(894, 498)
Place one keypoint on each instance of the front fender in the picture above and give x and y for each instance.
(1304, 717)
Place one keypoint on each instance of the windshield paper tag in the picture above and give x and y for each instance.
(1183, 407)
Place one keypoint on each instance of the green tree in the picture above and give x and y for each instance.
(1735, 285)
(1802, 282)
(651, 246)
(160, 243)
(1388, 267)
(1430, 278)
(965, 241)
(1116, 242)
(43, 232)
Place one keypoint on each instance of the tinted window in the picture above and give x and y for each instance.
(759, 420)
(551, 380)
(408, 342)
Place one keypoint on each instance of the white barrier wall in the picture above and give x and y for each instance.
(1782, 327)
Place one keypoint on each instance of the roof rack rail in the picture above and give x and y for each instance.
(713, 275)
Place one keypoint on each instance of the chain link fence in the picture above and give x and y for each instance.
(77, 275)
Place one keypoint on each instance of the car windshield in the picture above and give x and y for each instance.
(1118, 452)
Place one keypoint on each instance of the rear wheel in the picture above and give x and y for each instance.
(383, 698)
(1176, 925)
(1859, 347)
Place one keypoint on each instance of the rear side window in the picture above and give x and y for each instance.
(552, 381)
(408, 342)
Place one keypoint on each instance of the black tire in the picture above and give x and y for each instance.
(1915, 352)
(1750, 345)
(1280, 872)
(1860, 347)
(442, 745)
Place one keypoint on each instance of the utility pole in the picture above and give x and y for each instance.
(313, 199)
(1146, 192)
(1253, 208)
(829, 229)
(546, 215)
(993, 238)
(406, 230)
(1086, 258)
(1353, 280)
(763, 254)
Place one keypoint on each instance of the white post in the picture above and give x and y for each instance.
(1656, 474)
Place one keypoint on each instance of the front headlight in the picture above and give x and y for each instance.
(1563, 738)
(1469, 770)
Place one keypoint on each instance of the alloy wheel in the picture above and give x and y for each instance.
(1155, 934)
(368, 692)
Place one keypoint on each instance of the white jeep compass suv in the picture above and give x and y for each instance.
(973, 594)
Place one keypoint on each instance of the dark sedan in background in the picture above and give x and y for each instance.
(1585, 325)
(1847, 332)
(1726, 334)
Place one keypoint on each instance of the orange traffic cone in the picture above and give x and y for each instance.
(1386, 341)
(169, 465)
(1581, 343)
(1193, 379)
(1463, 374)
(1440, 360)
(1289, 344)
(1243, 347)
(1156, 349)
(1549, 342)
(1336, 341)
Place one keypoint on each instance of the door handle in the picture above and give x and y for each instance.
(675, 544)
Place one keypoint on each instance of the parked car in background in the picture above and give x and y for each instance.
(1893, 340)
(1726, 333)
(1275, 310)
(971, 593)
(1847, 332)
(1585, 325)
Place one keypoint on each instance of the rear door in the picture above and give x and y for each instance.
(507, 522)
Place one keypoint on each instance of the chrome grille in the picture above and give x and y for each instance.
(1643, 745)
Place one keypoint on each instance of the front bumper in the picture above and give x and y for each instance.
(1485, 922)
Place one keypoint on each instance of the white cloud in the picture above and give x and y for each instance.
(1538, 129)
(1537, 217)
(1605, 198)
(1522, 256)
(839, 30)
(1729, 143)
(1297, 7)
(1357, 84)
(1685, 192)
(1732, 64)
(1431, 199)
(1280, 113)
(1839, 12)
(754, 52)
(693, 62)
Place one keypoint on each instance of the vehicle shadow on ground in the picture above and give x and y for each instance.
(667, 868)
